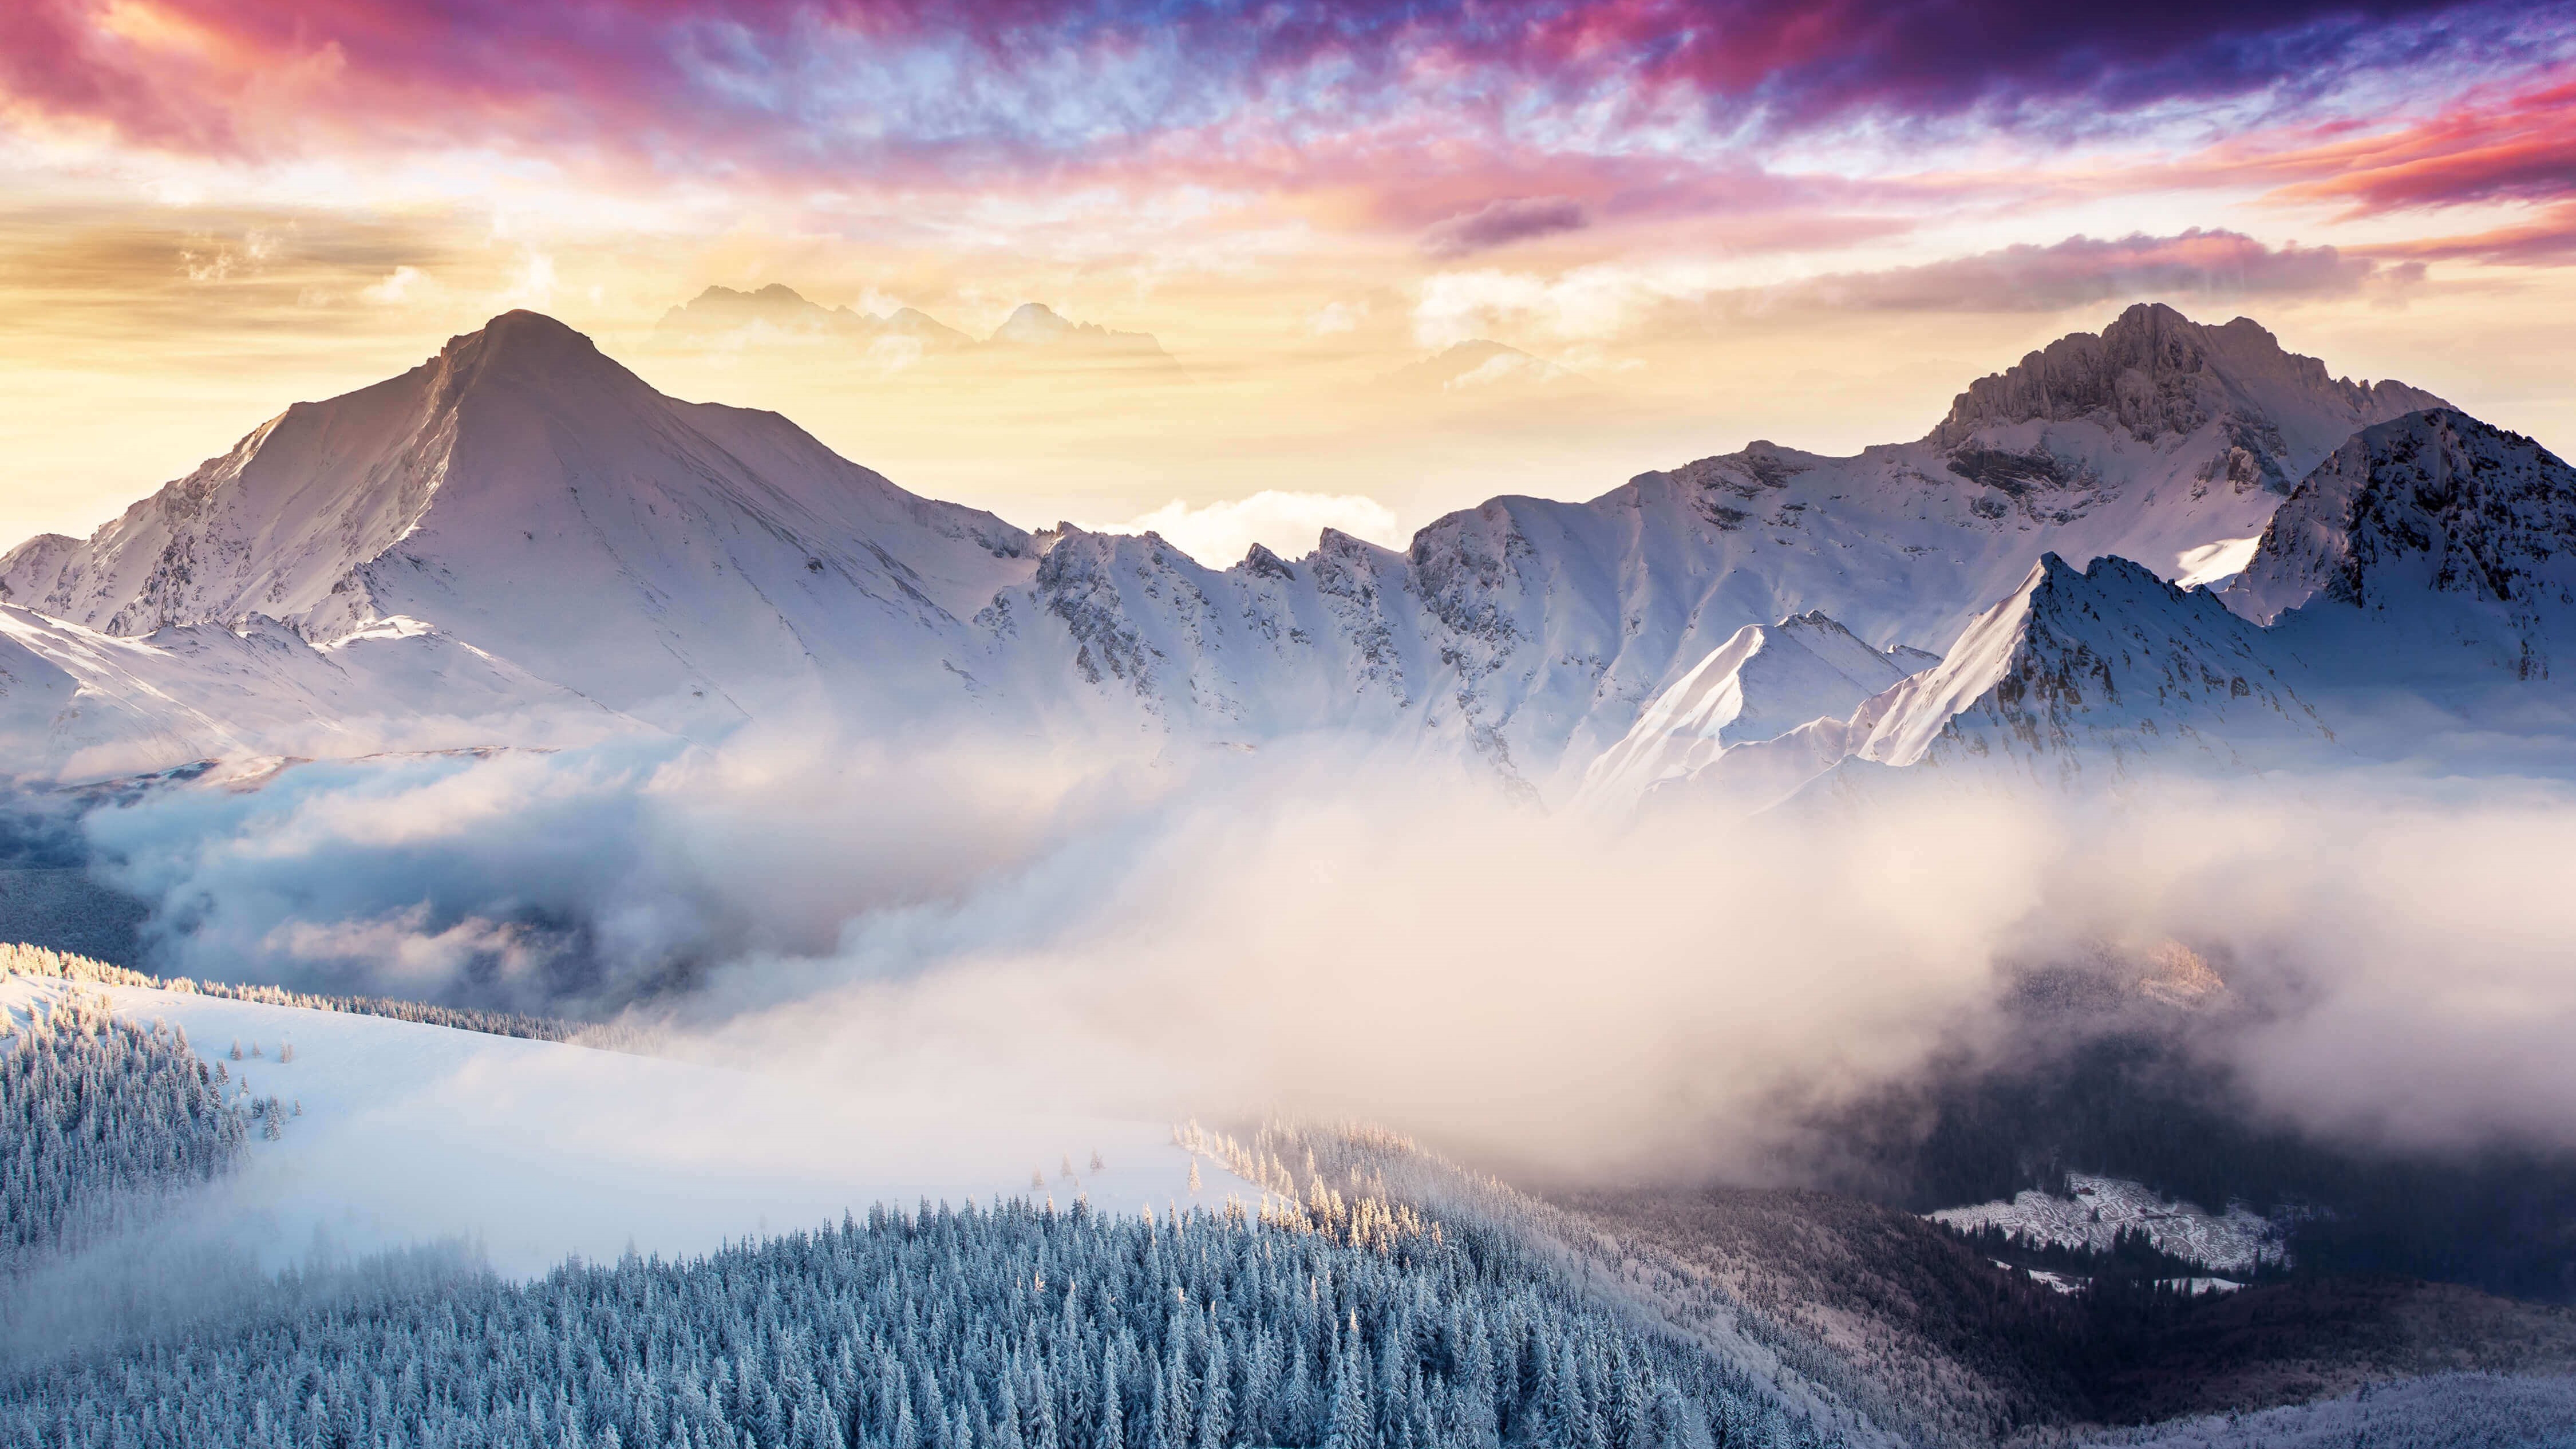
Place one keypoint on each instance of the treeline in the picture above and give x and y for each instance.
(29, 960)
(1009, 1328)
(2132, 1254)
(96, 1112)
(1310, 1170)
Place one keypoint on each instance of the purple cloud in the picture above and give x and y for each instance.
(2081, 271)
(1278, 93)
(1500, 223)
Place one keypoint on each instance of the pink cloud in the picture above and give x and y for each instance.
(1470, 123)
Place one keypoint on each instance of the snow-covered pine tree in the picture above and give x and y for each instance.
(1008, 1328)
(97, 1114)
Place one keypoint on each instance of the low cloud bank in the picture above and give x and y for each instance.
(1160, 938)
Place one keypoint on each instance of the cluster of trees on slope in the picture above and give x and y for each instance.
(1307, 1169)
(1969, 1353)
(96, 1112)
(2132, 1258)
(27, 960)
(2144, 1105)
(1009, 1328)
(1981, 1355)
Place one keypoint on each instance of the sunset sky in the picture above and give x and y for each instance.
(1706, 221)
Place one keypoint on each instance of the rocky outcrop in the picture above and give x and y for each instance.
(2154, 373)
(2436, 520)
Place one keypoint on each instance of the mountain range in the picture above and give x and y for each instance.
(777, 311)
(522, 542)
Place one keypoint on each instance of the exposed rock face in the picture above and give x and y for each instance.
(2154, 373)
(2434, 520)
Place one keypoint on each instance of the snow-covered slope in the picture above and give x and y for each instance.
(1536, 633)
(2419, 586)
(1764, 682)
(410, 1133)
(2097, 672)
(78, 704)
(524, 492)
(2109, 666)
(2096, 1210)
(693, 565)
(2430, 548)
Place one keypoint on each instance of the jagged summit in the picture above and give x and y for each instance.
(2434, 535)
(2109, 664)
(2155, 374)
(1038, 327)
(1032, 322)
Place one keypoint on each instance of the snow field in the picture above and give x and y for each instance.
(539, 1150)
(2098, 1208)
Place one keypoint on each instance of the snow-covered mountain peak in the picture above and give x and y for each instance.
(520, 344)
(2155, 373)
(1032, 322)
(523, 490)
(1764, 681)
(2106, 662)
(2434, 500)
(524, 495)
(2435, 524)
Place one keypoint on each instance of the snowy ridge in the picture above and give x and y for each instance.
(1759, 685)
(75, 703)
(2443, 535)
(681, 561)
(1537, 633)
(2108, 669)
(573, 545)
(2110, 663)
